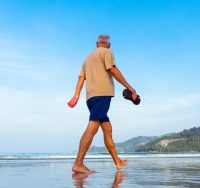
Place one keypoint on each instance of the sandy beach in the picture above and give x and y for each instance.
(140, 172)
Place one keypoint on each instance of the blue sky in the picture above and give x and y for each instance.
(43, 44)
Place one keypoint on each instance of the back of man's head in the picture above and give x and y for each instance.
(103, 39)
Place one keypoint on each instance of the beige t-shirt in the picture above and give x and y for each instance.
(99, 81)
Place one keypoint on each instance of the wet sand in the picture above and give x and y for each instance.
(140, 172)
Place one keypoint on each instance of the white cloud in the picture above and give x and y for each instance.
(26, 116)
(22, 111)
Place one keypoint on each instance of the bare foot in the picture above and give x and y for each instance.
(81, 176)
(86, 167)
(121, 163)
(81, 169)
(90, 171)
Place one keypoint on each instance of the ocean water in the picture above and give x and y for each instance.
(36, 170)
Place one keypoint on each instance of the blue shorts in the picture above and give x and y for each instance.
(98, 107)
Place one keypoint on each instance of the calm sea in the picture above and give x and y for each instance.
(53, 170)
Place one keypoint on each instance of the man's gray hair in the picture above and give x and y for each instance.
(103, 39)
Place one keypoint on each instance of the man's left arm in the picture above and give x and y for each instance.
(115, 72)
(78, 89)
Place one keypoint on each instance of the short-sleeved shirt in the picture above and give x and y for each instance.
(99, 81)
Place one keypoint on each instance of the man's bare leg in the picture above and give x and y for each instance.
(84, 145)
(110, 145)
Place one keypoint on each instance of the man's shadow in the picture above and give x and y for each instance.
(79, 179)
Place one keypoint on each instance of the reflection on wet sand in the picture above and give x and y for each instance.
(119, 178)
(79, 179)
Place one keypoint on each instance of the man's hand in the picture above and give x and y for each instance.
(134, 94)
(73, 101)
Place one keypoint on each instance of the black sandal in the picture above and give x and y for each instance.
(127, 94)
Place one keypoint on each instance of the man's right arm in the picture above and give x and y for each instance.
(115, 72)
(78, 89)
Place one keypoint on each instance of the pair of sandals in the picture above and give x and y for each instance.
(127, 94)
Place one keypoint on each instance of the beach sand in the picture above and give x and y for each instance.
(140, 172)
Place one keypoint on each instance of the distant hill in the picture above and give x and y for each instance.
(127, 146)
(186, 141)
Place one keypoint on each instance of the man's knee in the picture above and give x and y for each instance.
(93, 127)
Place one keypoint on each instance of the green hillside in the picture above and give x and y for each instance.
(185, 141)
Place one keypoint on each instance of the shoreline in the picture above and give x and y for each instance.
(98, 156)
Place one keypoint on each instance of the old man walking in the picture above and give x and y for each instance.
(98, 71)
